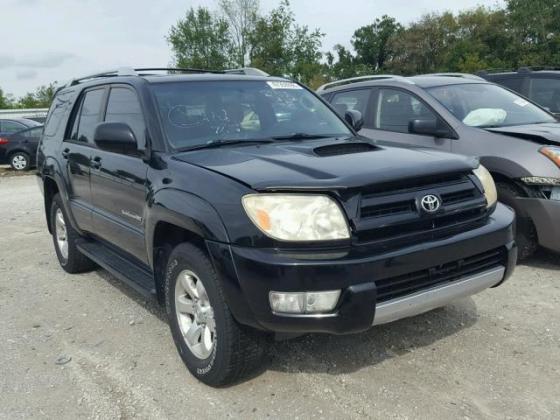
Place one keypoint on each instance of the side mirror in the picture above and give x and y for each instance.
(354, 118)
(432, 127)
(115, 137)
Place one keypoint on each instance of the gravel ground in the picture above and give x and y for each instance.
(84, 346)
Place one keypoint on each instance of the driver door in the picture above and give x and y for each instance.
(391, 112)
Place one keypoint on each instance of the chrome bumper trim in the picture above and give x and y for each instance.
(429, 299)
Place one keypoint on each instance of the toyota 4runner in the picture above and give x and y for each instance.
(248, 207)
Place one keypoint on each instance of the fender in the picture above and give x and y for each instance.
(505, 167)
(51, 169)
(185, 210)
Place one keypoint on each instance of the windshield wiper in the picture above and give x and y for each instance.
(302, 136)
(221, 142)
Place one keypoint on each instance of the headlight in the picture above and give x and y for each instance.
(297, 217)
(488, 184)
(551, 152)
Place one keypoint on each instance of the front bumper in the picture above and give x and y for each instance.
(250, 274)
(545, 215)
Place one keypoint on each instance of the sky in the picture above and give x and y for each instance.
(55, 40)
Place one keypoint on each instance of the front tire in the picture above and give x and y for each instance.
(215, 348)
(64, 239)
(20, 161)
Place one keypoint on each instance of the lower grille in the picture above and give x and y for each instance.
(407, 284)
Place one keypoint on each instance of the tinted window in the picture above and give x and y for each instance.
(546, 92)
(513, 83)
(88, 117)
(487, 105)
(123, 106)
(395, 109)
(194, 114)
(34, 132)
(11, 126)
(351, 100)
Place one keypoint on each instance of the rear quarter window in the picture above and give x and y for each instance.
(57, 113)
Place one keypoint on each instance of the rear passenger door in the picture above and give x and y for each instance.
(77, 149)
(118, 181)
(391, 112)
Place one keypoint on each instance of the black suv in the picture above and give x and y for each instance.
(540, 84)
(248, 207)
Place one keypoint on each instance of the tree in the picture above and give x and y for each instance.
(242, 16)
(5, 100)
(281, 47)
(201, 40)
(373, 43)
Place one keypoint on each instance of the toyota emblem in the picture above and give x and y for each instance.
(430, 203)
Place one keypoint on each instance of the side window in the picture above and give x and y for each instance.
(351, 100)
(88, 116)
(123, 106)
(546, 92)
(12, 126)
(513, 83)
(395, 109)
(34, 132)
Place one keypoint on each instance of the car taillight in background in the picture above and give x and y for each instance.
(4, 140)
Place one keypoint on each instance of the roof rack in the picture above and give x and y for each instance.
(364, 79)
(247, 71)
(524, 69)
(453, 74)
(144, 71)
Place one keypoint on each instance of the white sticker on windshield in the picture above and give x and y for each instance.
(277, 84)
(521, 102)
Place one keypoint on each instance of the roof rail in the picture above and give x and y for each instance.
(247, 71)
(144, 71)
(363, 79)
(452, 74)
(528, 69)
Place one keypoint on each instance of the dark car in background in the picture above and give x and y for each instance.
(540, 84)
(13, 125)
(19, 149)
(518, 141)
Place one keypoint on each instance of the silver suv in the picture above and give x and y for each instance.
(517, 140)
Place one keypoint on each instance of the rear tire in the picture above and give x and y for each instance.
(20, 161)
(525, 232)
(64, 239)
(215, 348)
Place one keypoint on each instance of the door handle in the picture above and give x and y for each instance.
(65, 153)
(96, 162)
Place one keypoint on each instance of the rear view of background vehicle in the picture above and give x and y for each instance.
(19, 149)
(540, 84)
(248, 208)
(13, 125)
(516, 140)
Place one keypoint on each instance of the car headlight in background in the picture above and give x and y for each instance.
(488, 184)
(297, 217)
(551, 152)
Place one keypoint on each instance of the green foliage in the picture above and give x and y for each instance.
(241, 16)
(201, 40)
(41, 98)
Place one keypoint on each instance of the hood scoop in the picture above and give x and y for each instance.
(343, 149)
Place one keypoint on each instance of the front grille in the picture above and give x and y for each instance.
(391, 212)
(407, 284)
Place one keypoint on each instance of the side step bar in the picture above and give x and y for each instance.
(134, 275)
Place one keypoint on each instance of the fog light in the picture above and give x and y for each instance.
(304, 302)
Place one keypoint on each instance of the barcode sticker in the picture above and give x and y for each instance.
(277, 84)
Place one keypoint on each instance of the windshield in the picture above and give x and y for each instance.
(198, 113)
(485, 105)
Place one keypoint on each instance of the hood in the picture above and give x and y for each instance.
(324, 164)
(546, 133)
